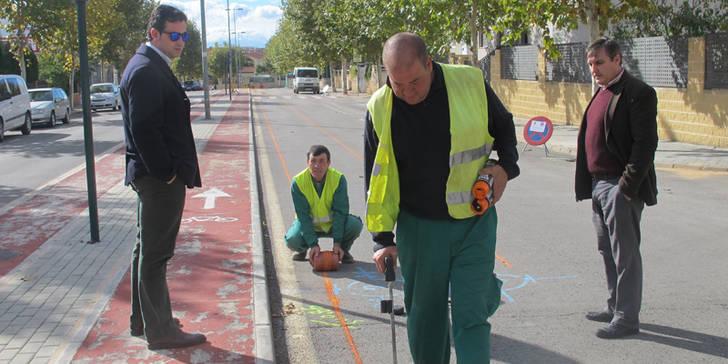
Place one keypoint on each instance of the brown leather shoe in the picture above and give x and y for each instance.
(176, 339)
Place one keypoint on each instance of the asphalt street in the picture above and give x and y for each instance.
(547, 257)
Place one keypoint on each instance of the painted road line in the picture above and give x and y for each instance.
(297, 334)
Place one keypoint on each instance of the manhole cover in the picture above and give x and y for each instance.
(6, 254)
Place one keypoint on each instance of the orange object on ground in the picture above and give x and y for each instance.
(325, 261)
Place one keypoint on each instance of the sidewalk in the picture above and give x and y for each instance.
(668, 155)
(63, 300)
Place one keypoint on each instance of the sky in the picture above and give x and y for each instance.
(255, 20)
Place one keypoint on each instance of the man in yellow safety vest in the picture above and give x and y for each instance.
(428, 136)
(322, 208)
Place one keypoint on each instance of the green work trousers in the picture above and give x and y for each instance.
(352, 229)
(159, 209)
(459, 255)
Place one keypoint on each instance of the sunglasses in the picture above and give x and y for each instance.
(174, 36)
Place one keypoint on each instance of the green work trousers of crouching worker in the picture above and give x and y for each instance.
(352, 229)
(457, 254)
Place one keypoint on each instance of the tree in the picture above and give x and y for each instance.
(691, 18)
(189, 63)
(523, 16)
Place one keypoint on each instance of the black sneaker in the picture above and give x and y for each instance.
(347, 259)
(616, 331)
(299, 256)
(601, 316)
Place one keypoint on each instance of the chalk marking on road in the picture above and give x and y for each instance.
(210, 196)
(296, 326)
(526, 278)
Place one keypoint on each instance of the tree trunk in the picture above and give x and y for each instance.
(333, 76)
(71, 80)
(343, 74)
(376, 70)
(473, 35)
(592, 22)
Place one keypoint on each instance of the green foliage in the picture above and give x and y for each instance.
(690, 18)
(189, 63)
(52, 70)
(217, 62)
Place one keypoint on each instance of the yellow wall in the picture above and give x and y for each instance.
(692, 114)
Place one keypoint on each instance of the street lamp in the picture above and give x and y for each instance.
(230, 58)
(88, 137)
(237, 56)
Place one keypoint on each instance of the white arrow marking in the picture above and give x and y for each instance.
(210, 196)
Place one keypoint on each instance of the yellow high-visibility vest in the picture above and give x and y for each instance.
(320, 206)
(470, 147)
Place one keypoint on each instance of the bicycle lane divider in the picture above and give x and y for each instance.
(210, 277)
(327, 282)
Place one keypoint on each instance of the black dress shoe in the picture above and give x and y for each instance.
(299, 256)
(176, 339)
(601, 316)
(616, 331)
(347, 259)
(139, 331)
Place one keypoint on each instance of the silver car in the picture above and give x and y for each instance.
(14, 105)
(105, 96)
(47, 105)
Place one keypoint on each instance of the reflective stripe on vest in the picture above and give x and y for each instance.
(470, 146)
(320, 206)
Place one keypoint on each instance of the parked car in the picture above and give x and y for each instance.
(48, 104)
(192, 85)
(14, 105)
(105, 96)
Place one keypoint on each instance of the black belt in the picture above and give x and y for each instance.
(601, 176)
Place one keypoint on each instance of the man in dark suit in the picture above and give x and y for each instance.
(161, 162)
(615, 169)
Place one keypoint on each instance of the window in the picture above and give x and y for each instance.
(4, 94)
(13, 86)
(40, 96)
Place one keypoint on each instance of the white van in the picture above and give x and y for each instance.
(305, 79)
(14, 105)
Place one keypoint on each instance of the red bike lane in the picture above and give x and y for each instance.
(210, 277)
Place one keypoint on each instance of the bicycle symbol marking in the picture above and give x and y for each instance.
(209, 218)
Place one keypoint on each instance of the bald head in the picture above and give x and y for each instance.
(403, 49)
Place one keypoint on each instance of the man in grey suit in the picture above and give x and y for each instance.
(615, 169)
(161, 162)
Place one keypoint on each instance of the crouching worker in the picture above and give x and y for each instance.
(322, 209)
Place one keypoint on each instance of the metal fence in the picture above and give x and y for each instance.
(716, 61)
(571, 66)
(519, 63)
(659, 61)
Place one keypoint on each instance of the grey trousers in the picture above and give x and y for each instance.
(159, 209)
(617, 223)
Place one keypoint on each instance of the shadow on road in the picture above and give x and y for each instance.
(510, 350)
(685, 339)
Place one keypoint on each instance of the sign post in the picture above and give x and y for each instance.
(537, 132)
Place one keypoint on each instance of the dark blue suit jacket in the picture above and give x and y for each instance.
(156, 113)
